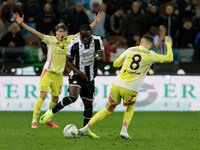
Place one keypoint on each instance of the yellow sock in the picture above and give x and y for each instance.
(52, 104)
(98, 117)
(37, 110)
(128, 114)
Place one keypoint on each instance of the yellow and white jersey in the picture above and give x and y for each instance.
(57, 51)
(135, 62)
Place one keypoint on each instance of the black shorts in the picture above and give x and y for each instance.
(87, 87)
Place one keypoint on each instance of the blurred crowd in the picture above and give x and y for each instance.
(124, 22)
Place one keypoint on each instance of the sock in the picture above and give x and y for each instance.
(37, 110)
(64, 102)
(52, 105)
(87, 115)
(98, 117)
(124, 128)
(34, 121)
(128, 114)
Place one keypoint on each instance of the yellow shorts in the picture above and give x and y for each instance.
(51, 81)
(117, 93)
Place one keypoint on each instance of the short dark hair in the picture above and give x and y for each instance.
(148, 37)
(85, 27)
(61, 25)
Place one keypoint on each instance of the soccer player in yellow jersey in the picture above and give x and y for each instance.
(52, 75)
(135, 62)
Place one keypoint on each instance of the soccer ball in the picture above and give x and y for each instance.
(70, 131)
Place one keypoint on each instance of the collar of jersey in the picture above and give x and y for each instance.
(141, 47)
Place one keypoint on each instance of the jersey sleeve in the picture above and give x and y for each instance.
(120, 60)
(47, 39)
(158, 58)
(70, 37)
(70, 51)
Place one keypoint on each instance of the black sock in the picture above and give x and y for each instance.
(57, 108)
(87, 115)
(64, 102)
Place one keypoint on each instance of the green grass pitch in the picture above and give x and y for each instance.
(149, 130)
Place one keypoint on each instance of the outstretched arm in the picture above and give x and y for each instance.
(20, 20)
(158, 58)
(97, 19)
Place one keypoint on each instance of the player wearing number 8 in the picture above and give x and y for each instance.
(135, 62)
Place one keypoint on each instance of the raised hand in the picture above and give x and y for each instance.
(18, 19)
(167, 39)
(98, 18)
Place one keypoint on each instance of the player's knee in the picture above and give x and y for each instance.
(68, 100)
(72, 99)
(55, 99)
(110, 107)
(43, 95)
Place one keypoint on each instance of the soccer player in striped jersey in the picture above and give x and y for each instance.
(135, 62)
(83, 54)
(52, 75)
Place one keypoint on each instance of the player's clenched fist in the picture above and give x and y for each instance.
(167, 39)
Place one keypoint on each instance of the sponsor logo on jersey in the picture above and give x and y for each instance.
(91, 44)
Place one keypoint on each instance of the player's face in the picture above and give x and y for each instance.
(60, 34)
(85, 36)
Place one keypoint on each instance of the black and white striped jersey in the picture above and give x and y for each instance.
(83, 55)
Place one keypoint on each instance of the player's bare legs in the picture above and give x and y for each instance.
(37, 110)
(110, 107)
(43, 95)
